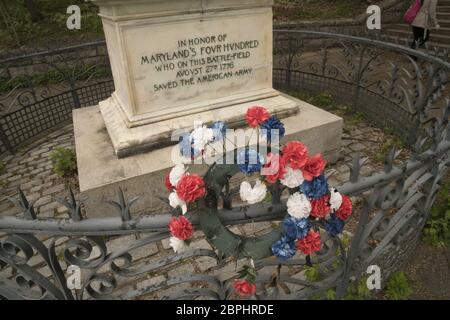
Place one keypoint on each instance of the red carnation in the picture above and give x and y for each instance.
(167, 182)
(244, 287)
(346, 208)
(314, 167)
(320, 207)
(190, 188)
(311, 243)
(273, 170)
(256, 115)
(295, 154)
(181, 228)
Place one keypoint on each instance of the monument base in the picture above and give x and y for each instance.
(129, 141)
(101, 172)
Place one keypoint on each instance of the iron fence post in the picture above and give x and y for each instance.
(289, 72)
(352, 254)
(358, 79)
(5, 140)
(76, 98)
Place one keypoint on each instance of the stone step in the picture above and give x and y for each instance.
(443, 15)
(405, 40)
(443, 8)
(444, 23)
(407, 28)
(430, 44)
(435, 37)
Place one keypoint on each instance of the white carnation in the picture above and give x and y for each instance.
(292, 178)
(175, 202)
(176, 173)
(335, 199)
(255, 194)
(298, 206)
(201, 136)
(177, 245)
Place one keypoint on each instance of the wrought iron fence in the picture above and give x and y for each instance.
(391, 85)
(39, 90)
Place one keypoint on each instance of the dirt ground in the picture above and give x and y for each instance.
(429, 273)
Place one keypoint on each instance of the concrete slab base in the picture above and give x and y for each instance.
(129, 141)
(101, 172)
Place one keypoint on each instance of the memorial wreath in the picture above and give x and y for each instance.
(312, 205)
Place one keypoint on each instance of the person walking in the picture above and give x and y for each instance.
(425, 20)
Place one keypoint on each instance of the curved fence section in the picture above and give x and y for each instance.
(30, 121)
(39, 90)
(392, 86)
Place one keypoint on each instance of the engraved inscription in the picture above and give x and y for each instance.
(200, 60)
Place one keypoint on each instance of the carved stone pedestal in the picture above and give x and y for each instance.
(174, 63)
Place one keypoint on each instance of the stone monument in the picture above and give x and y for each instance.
(174, 63)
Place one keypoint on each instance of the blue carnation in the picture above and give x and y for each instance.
(186, 148)
(295, 228)
(249, 161)
(219, 129)
(284, 248)
(316, 188)
(272, 124)
(334, 225)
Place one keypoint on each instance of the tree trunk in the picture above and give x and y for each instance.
(33, 10)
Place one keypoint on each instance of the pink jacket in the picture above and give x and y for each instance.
(426, 18)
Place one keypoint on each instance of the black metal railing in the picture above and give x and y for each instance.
(38, 91)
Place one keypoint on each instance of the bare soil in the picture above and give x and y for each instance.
(429, 273)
